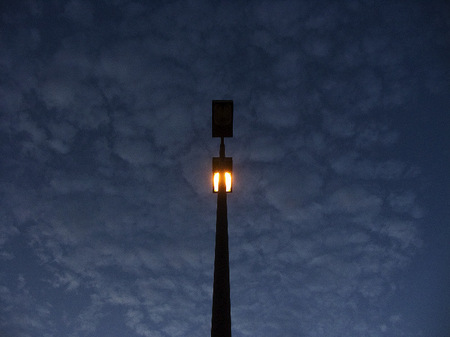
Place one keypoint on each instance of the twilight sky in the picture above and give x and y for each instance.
(339, 217)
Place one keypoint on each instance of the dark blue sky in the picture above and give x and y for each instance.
(339, 216)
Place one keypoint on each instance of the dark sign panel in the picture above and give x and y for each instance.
(222, 118)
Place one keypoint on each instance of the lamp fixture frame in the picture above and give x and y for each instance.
(222, 166)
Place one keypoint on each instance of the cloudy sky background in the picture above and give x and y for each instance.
(339, 216)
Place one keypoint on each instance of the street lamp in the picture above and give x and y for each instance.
(222, 170)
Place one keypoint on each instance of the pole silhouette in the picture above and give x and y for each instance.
(222, 126)
(221, 310)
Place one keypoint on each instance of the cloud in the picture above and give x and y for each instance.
(25, 312)
(354, 200)
(352, 164)
(339, 126)
(136, 152)
(79, 11)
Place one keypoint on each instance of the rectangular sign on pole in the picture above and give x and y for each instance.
(222, 118)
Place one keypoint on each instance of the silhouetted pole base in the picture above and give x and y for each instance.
(221, 315)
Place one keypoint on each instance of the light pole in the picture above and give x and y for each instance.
(222, 126)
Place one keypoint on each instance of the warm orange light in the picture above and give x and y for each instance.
(228, 181)
(222, 168)
(216, 181)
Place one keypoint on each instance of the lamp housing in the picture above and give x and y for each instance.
(222, 168)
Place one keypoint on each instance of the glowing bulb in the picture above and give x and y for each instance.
(222, 169)
(216, 181)
(228, 181)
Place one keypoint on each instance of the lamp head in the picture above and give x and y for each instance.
(222, 174)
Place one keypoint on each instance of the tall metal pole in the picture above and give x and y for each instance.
(222, 126)
(221, 310)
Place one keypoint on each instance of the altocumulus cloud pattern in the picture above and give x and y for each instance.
(338, 221)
